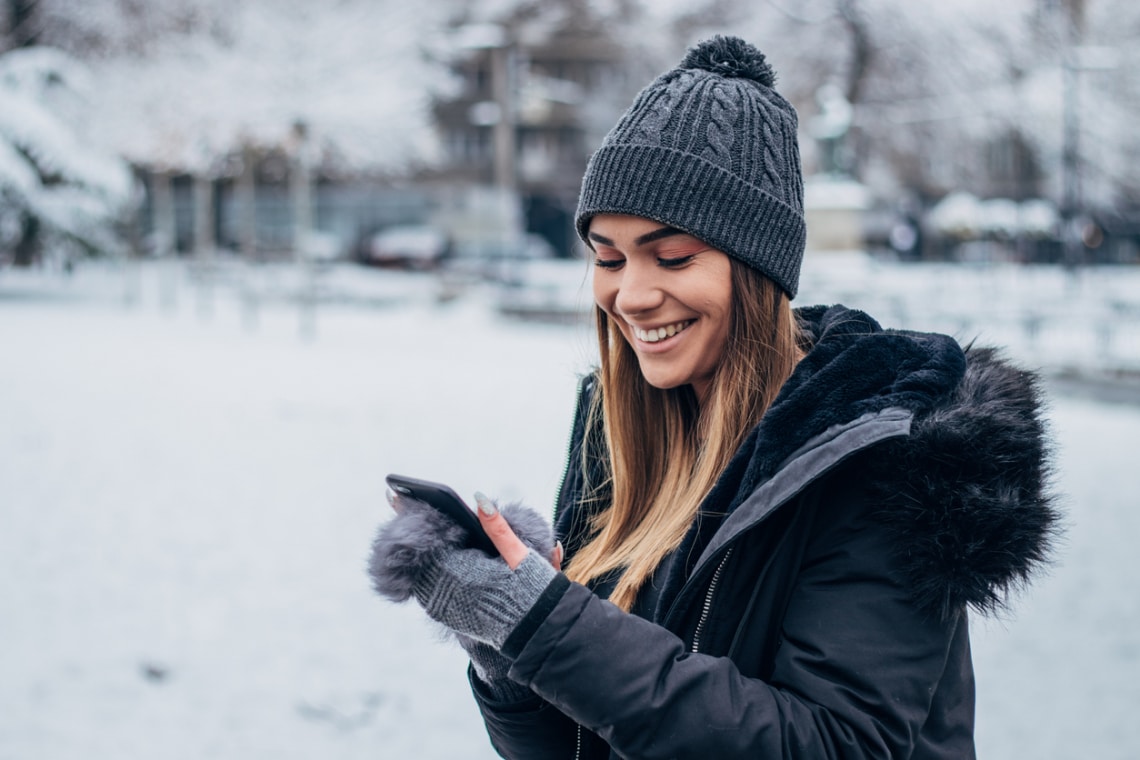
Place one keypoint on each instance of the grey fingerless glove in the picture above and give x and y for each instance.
(404, 557)
(480, 596)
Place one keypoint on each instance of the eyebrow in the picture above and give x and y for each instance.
(648, 237)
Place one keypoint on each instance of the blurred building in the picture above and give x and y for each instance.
(531, 106)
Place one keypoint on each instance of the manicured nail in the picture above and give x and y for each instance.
(486, 506)
(390, 496)
(558, 547)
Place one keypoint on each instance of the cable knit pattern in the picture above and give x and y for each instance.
(723, 113)
(651, 115)
(655, 118)
(709, 148)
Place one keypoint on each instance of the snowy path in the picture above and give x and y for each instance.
(186, 506)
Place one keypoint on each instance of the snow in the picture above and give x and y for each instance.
(358, 79)
(47, 168)
(43, 90)
(15, 174)
(190, 488)
(1061, 679)
(961, 214)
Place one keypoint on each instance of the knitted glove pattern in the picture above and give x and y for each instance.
(480, 596)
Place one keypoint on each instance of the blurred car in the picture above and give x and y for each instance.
(412, 246)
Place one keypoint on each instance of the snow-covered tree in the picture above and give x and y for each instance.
(944, 93)
(57, 188)
(188, 84)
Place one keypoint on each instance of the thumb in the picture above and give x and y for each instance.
(510, 546)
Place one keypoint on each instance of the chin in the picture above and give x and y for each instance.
(664, 383)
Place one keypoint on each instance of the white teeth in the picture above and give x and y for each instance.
(660, 333)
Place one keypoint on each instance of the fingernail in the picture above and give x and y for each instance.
(390, 496)
(558, 547)
(486, 506)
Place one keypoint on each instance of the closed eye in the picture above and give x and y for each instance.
(608, 263)
(675, 263)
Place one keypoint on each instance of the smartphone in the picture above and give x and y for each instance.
(445, 500)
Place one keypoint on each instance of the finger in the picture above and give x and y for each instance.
(556, 556)
(510, 546)
(393, 500)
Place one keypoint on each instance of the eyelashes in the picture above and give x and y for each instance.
(675, 263)
(672, 263)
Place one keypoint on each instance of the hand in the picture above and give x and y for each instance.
(420, 553)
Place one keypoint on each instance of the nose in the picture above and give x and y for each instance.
(640, 290)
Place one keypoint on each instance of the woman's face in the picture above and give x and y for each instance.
(670, 295)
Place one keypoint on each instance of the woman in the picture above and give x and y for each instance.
(773, 522)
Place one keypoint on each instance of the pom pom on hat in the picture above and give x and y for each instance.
(731, 57)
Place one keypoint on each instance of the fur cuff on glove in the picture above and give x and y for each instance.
(408, 545)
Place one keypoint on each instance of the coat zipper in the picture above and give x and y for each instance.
(557, 499)
(708, 600)
(569, 450)
(705, 610)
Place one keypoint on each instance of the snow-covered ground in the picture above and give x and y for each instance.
(188, 489)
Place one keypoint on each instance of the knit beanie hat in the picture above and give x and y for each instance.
(711, 149)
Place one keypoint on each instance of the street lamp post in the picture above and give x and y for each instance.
(300, 182)
(503, 131)
(1076, 59)
(501, 48)
(1070, 143)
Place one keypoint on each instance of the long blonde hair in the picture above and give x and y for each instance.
(665, 452)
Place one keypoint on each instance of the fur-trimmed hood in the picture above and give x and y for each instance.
(967, 492)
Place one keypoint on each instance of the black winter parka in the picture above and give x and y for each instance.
(818, 606)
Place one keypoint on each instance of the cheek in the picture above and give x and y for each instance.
(604, 293)
(720, 309)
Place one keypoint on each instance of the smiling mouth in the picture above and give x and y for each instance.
(660, 333)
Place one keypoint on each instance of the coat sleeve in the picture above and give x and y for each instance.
(528, 729)
(853, 677)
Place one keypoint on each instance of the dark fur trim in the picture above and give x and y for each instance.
(967, 494)
(405, 546)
